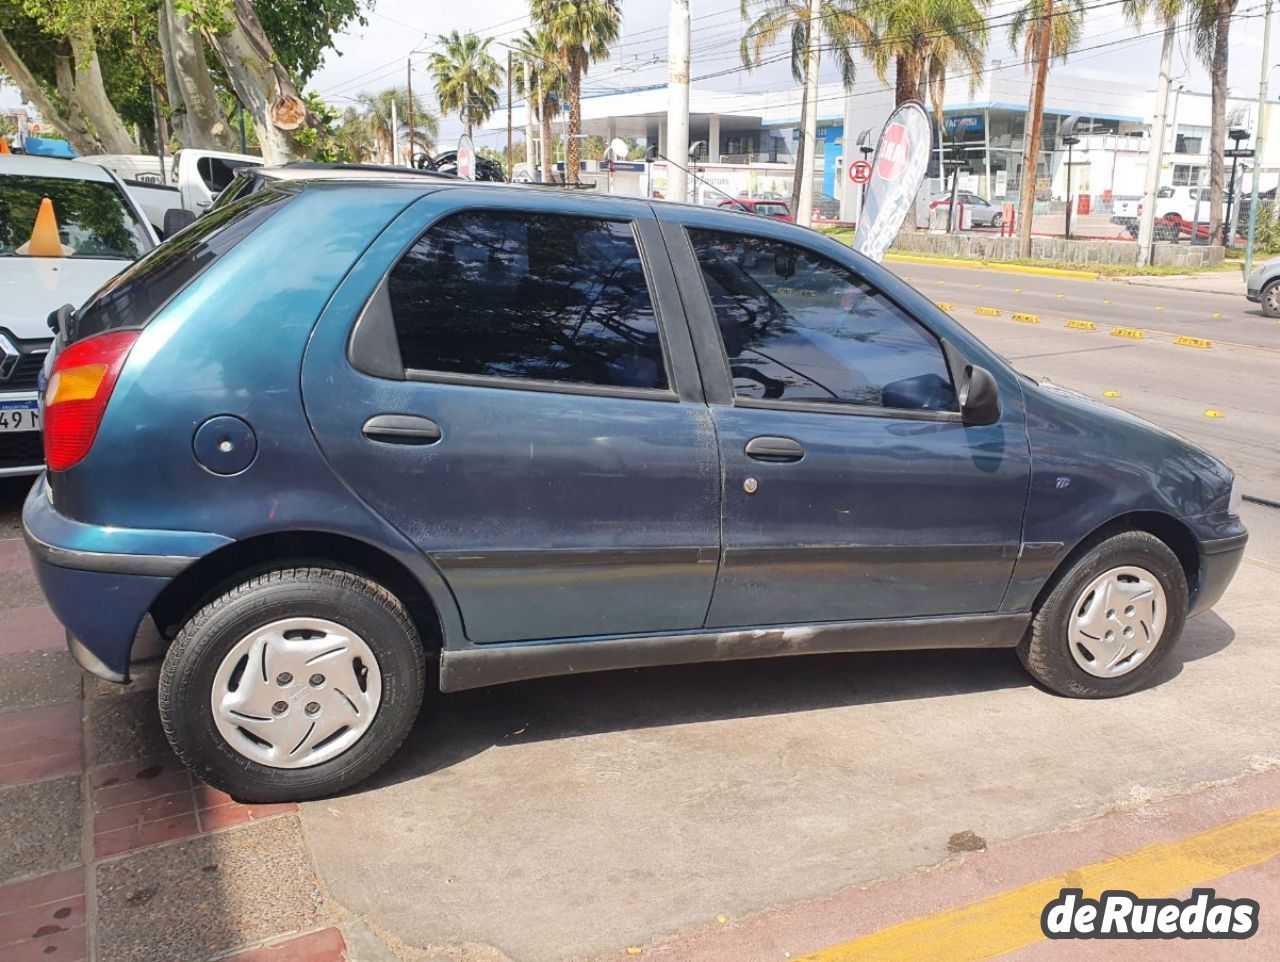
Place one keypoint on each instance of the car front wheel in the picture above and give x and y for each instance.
(1270, 299)
(997, 220)
(296, 684)
(1109, 620)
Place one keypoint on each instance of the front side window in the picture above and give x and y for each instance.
(92, 217)
(545, 297)
(772, 210)
(798, 327)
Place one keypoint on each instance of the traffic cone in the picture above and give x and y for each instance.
(44, 236)
(4, 146)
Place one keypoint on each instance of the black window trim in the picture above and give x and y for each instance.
(818, 407)
(580, 388)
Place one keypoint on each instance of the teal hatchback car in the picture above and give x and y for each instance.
(345, 440)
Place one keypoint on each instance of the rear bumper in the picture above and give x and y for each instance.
(101, 581)
(1219, 560)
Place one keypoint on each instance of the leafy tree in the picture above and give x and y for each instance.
(812, 25)
(466, 76)
(923, 39)
(376, 122)
(1211, 29)
(582, 31)
(546, 86)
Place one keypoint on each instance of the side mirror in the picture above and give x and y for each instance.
(979, 396)
(175, 219)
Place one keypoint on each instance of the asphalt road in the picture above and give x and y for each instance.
(1155, 378)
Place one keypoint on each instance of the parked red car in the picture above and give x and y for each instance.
(776, 209)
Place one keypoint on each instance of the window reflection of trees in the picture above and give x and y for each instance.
(547, 297)
(799, 328)
(92, 217)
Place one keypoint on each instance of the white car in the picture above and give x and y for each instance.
(96, 231)
(982, 213)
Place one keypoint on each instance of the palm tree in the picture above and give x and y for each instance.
(1211, 27)
(377, 115)
(354, 137)
(546, 85)
(466, 77)
(582, 31)
(1050, 29)
(813, 25)
(923, 39)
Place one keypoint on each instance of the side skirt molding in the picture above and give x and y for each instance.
(497, 664)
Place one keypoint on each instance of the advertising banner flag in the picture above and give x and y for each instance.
(897, 171)
(466, 158)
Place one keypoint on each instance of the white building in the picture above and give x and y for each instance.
(746, 130)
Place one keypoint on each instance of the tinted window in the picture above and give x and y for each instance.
(131, 298)
(218, 173)
(93, 219)
(772, 210)
(547, 297)
(798, 327)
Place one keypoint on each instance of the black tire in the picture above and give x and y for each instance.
(997, 220)
(1044, 650)
(192, 661)
(1269, 298)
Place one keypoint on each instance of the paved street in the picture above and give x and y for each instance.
(894, 806)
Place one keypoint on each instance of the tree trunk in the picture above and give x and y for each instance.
(1034, 123)
(194, 110)
(573, 150)
(529, 157)
(803, 211)
(89, 120)
(904, 85)
(546, 148)
(260, 83)
(22, 77)
(1218, 125)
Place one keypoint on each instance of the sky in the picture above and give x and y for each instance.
(374, 56)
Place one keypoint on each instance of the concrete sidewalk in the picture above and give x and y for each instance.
(1205, 282)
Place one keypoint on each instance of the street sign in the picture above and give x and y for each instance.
(1239, 152)
(860, 172)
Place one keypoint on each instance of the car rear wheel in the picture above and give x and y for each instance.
(296, 684)
(1270, 299)
(1110, 619)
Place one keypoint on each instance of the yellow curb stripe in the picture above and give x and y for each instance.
(992, 266)
(1132, 332)
(1011, 920)
(1187, 341)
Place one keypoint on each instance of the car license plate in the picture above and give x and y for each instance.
(19, 416)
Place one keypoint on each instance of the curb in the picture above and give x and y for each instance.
(993, 266)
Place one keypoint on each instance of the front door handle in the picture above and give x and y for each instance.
(401, 429)
(774, 449)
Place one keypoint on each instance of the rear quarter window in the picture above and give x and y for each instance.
(130, 299)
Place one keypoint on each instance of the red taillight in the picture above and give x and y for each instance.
(79, 387)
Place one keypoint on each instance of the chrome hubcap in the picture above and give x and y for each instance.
(1117, 621)
(296, 692)
(1273, 297)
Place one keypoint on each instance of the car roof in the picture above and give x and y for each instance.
(306, 170)
(24, 165)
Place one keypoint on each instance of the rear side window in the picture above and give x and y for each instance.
(132, 298)
(798, 327)
(544, 297)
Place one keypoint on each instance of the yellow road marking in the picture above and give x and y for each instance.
(1212, 413)
(1011, 920)
(1132, 332)
(1078, 325)
(1187, 340)
(1026, 318)
(988, 311)
(945, 305)
(1110, 393)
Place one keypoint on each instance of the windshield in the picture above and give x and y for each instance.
(92, 218)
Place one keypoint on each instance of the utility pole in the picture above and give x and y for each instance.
(408, 71)
(528, 121)
(511, 160)
(678, 101)
(1258, 139)
(395, 134)
(803, 213)
(1155, 154)
(1035, 118)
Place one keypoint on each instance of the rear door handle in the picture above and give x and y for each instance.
(774, 449)
(401, 429)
